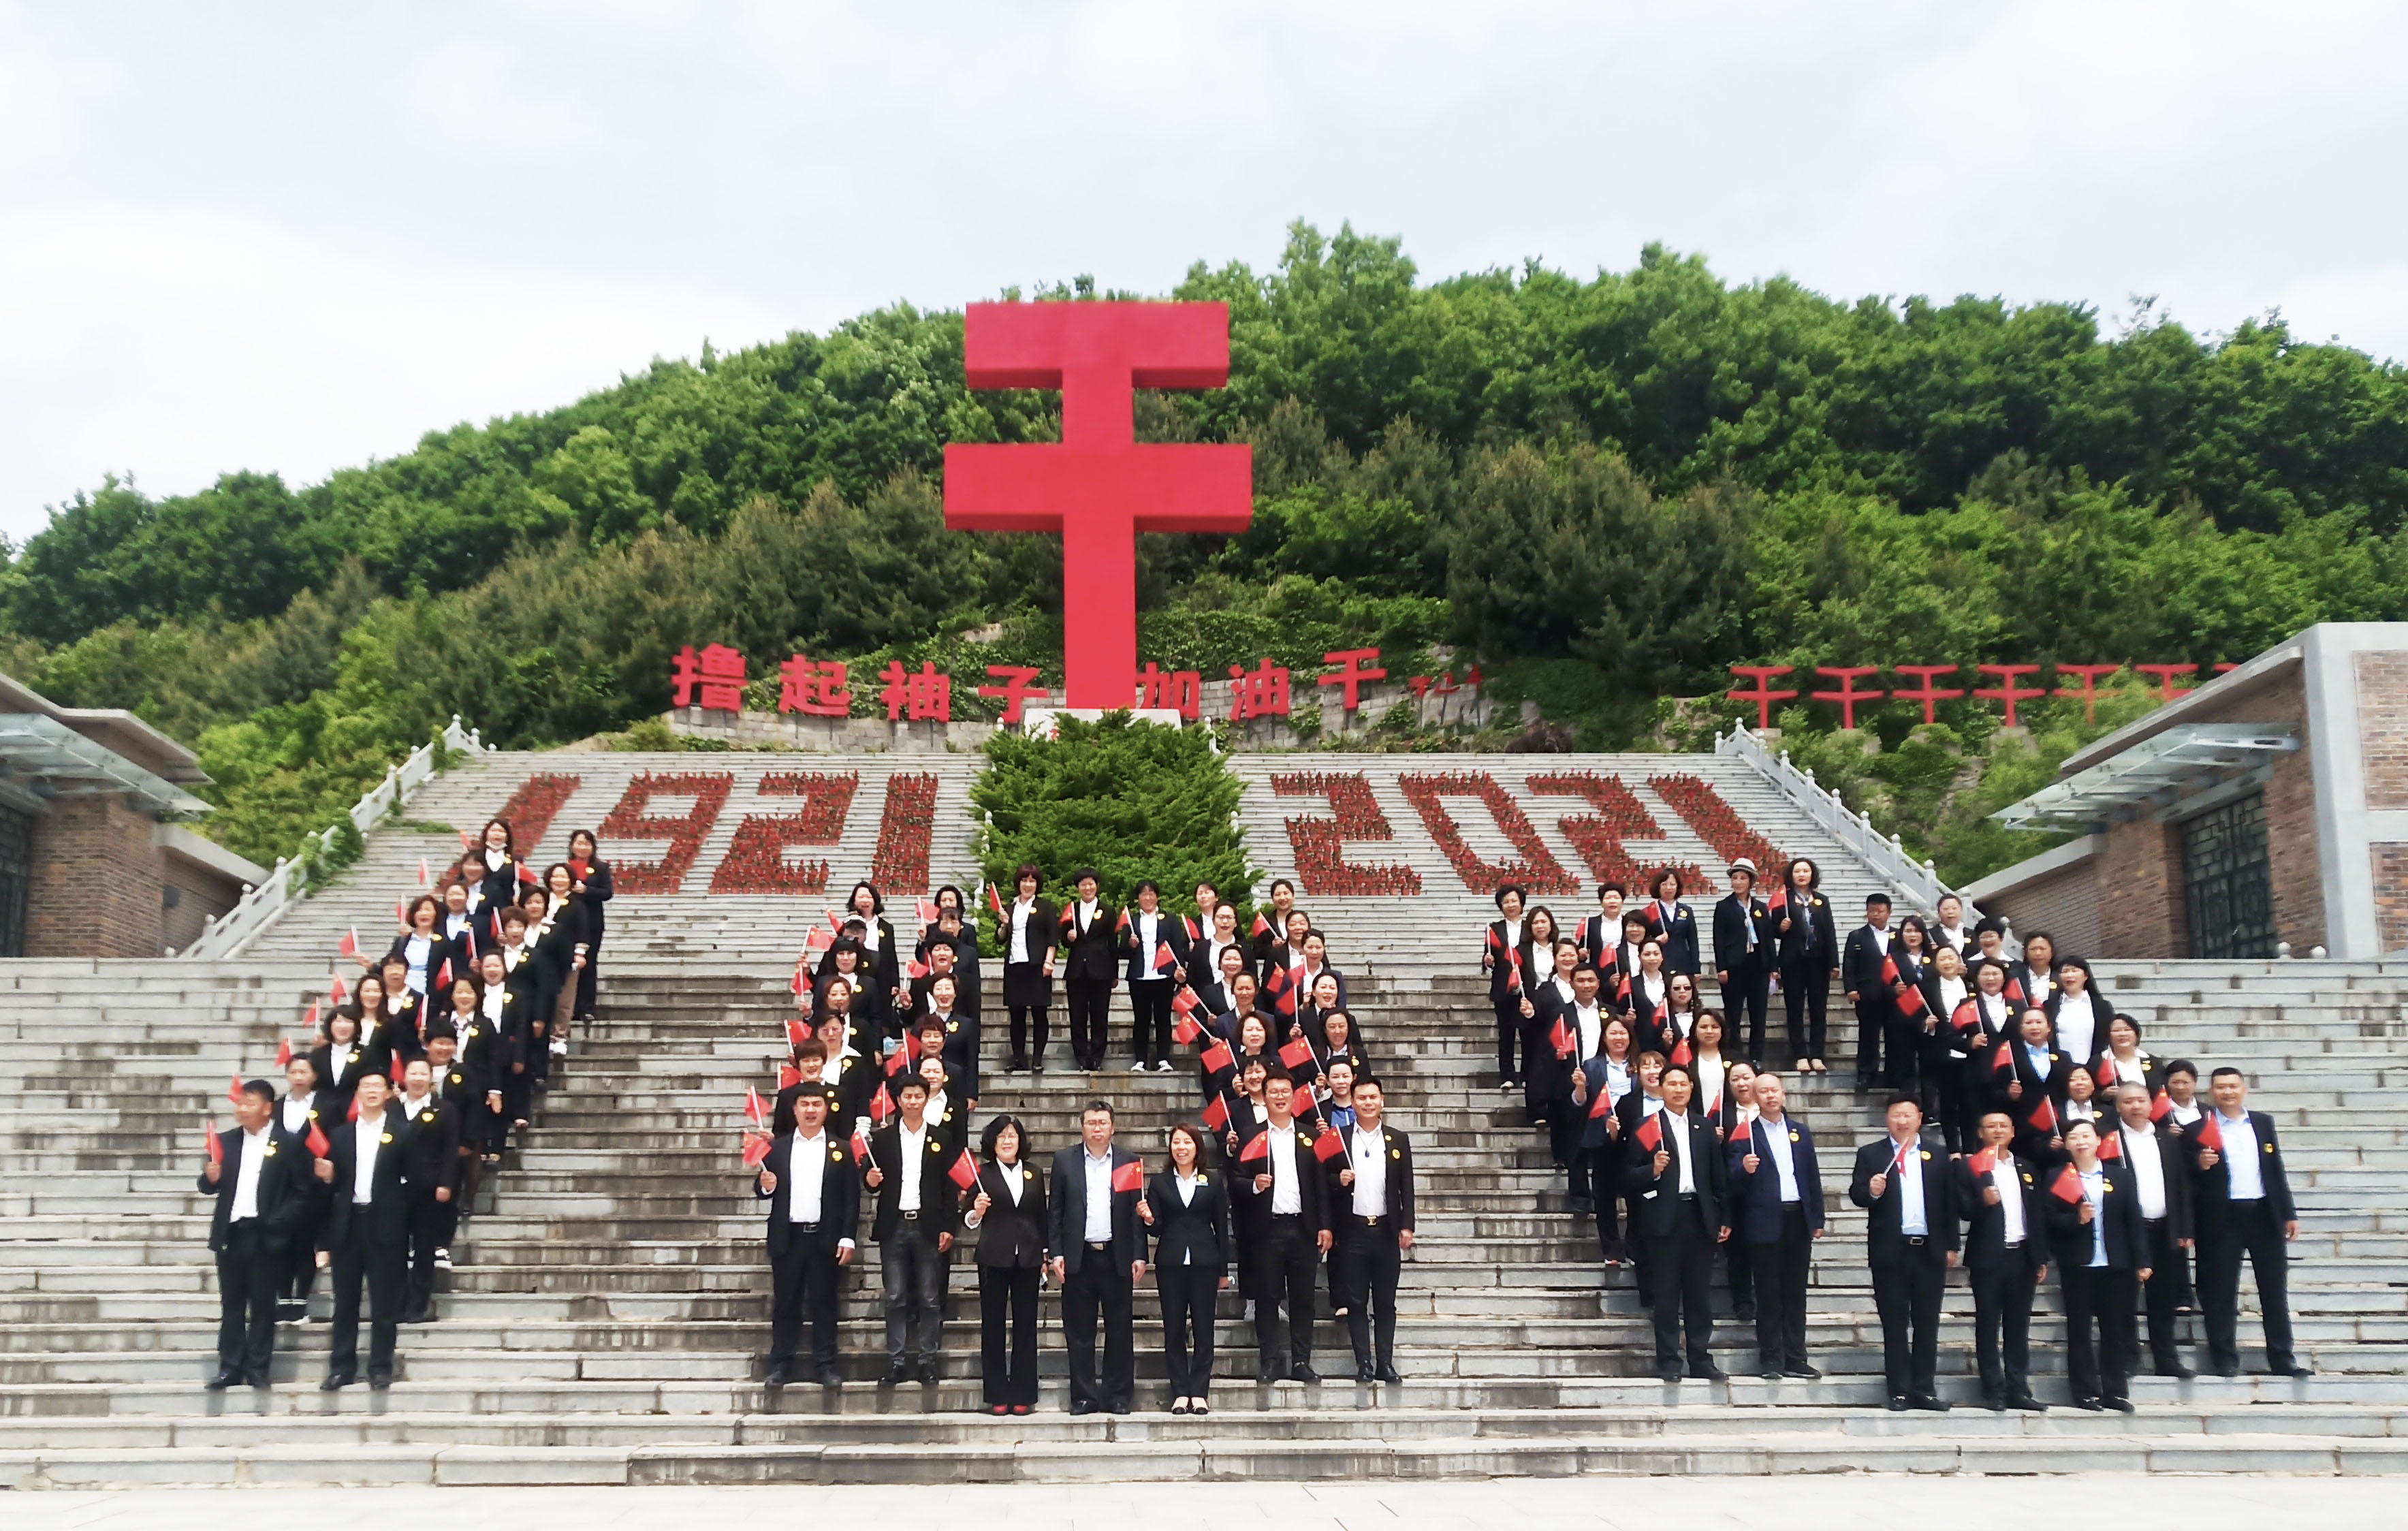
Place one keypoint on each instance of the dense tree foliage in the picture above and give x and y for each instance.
(1608, 490)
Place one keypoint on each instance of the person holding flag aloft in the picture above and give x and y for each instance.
(1810, 959)
(1743, 957)
(2162, 1193)
(1505, 956)
(1281, 1195)
(1098, 1258)
(1187, 1207)
(813, 1190)
(1030, 930)
(261, 1181)
(2243, 1207)
(1776, 1209)
(1676, 1168)
(2001, 1201)
(2031, 1089)
(1008, 1209)
(1911, 1240)
(913, 1171)
(2094, 1225)
(1372, 1206)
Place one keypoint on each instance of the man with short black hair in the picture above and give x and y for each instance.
(259, 1178)
(918, 1208)
(1911, 1239)
(1860, 975)
(1743, 961)
(1679, 1179)
(814, 1196)
(2243, 1208)
(434, 1181)
(1372, 1206)
(1284, 1205)
(2153, 1158)
(2006, 1253)
(1098, 1259)
(367, 1229)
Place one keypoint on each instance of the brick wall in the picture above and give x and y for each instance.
(2390, 871)
(2141, 909)
(2065, 903)
(95, 888)
(2382, 729)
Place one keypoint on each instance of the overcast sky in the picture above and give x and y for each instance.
(293, 236)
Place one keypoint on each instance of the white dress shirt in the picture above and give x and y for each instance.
(2010, 1200)
(1009, 1175)
(1149, 940)
(1783, 1153)
(807, 1162)
(2241, 1156)
(1287, 1193)
(1676, 1143)
(2077, 1026)
(1371, 1165)
(1023, 914)
(1099, 1198)
(2094, 1189)
(367, 1135)
(1589, 1022)
(2148, 1171)
(254, 1150)
(1908, 1172)
(296, 1110)
(914, 1143)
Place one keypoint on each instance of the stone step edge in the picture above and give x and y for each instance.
(1113, 1460)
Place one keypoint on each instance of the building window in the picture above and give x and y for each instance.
(16, 878)
(2227, 884)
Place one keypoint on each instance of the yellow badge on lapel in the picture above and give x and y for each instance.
(1396, 1153)
(836, 1156)
(386, 1139)
(1927, 1154)
(271, 1150)
(936, 1147)
(1793, 1134)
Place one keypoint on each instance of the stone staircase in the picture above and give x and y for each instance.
(1441, 925)
(609, 1302)
(694, 921)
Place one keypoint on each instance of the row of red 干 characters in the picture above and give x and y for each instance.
(713, 678)
(2007, 691)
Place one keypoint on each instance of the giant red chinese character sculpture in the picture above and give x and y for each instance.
(1099, 487)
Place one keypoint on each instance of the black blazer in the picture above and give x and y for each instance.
(1883, 1238)
(1012, 1235)
(1754, 1200)
(2099, 1010)
(1197, 1230)
(285, 1182)
(1501, 972)
(2180, 1169)
(501, 883)
(1067, 1210)
(1661, 1207)
(1089, 949)
(939, 1197)
(597, 894)
(435, 1146)
(333, 1099)
(1137, 963)
(1810, 943)
(1731, 954)
(1399, 1149)
(2212, 1189)
(388, 1209)
(1313, 1186)
(1860, 962)
(1679, 936)
(1025, 984)
(2128, 1244)
(1985, 1232)
(839, 1196)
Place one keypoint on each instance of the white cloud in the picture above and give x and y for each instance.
(469, 96)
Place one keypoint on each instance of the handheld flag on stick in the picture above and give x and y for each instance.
(788, 1077)
(1261, 926)
(836, 922)
(354, 1114)
(1185, 1003)
(468, 841)
(2067, 1187)
(756, 1147)
(1193, 933)
(1680, 1058)
(1602, 1105)
(425, 875)
(915, 968)
(1216, 1114)
(311, 1020)
(1259, 1147)
(350, 945)
(963, 1171)
(881, 1106)
(1982, 1163)
(1651, 1132)
(1296, 1054)
(1163, 961)
(1218, 1056)
(209, 1144)
(1304, 1102)
(1779, 899)
(754, 1111)
(526, 874)
(1130, 1177)
(1186, 1028)
(861, 1143)
(398, 1069)
(815, 939)
(1122, 922)
(283, 1053)
(2110, 1146)
(995, 901)
(798, 1031)
(233, 1088)
(2105, 1077)
(336, 992)
(2162, 1107)
(316, 1142)
(2044, 1116)
(2210, 1135)
(926, 910)
(1328, 1146)
(1561, 1036)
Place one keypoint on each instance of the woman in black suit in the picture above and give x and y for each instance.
(1809, 945)
(1010, 1214)
(339, 1061)
(1031, 925)
(1187, 1206)
(497, 861)
(885, 968)
(591, 886)
(421, 945)
(572, 913)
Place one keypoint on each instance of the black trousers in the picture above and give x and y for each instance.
(1942, 1100)
(1149, 1037)
(300, 1259)
(803, 1284)
(1680, 1274)
(1873, 1032)
(1008, 1334)
(1368, 1255)
(1749, 990)
(2098, 1296)
(2002, 1310)
(1091, 1003)
(251, 1268)
(1806, 996)
(585, 983)
(1286, 1256)
(1508, 1034)
(1023, 1018)
(1099, 1286)
(2161, 1295)
(2247, 1228)
(431, 1225)
(1739, 1274)
(1780, 1268)
(1564, 1123)
(1190, 1294)
(1907, 1286)
(385, 1268)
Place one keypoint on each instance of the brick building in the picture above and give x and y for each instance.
(93, 863)
(2268, 807)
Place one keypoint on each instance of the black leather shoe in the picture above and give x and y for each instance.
(336, 1379)
(830, 1377)
(1803, 1374)
(1745, 1315)
(227, 1376)
(1668, 1374)
(1770, 1374)
(2029, 1404)
(779, 1376)
(2179, 1372)
(1016, 1064)
(2227, 1371)
(418, 1315)
(928, 1374)
(2294, 1369)
(1928, 1404)
(380, 1380)
(2121, 1406)
(1082, 1406)
(1363, 1373)
(1120, 1406)
(1898, 1403)
(1996, 1406)
(2095, 1406)
(1709, 1373)
(1266, 1377)
(1390, 1375)
(897, 1375)
(1304, 1374)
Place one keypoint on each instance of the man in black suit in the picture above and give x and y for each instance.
(367, 1231)
(1282, 1198)
(2000, 1199)
(1372, 1205)
(1098, 1259)
(2242, 1200)
(1744, 960)
(261, 1180)
(814, 1196)
(1679, 1185)
(1776, 1194)
(1911, 1239)
(918, 1208)
(1860, 975)
(294, 1115)
(2162, 1192)
(1088, 971)
(433, 1182)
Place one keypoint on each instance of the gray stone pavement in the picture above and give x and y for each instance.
(1585, 1504)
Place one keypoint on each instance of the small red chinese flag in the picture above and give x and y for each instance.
(578, 868)
(1968, 1016)
(963, 1171)
(1328, 1146)
(788, 1077)
(2210, 1135)
(354, 1114)
(2067, 1187)
(1218, 1056)
(336, 991)
(1982, 1163)
(860, 1142)
(1185, 1002)
(1651, 1132)
(1163, 961)
(2044, 1116)
(1296, 1054)
(1121, 924)
(915, 968)
(1185, 1029)
(1261, 926)
(926, 910)
(526, 874)
(2106, 1074)
(2110, 1146)
(311, 1020)
(798, 1031)
(426, 877)
(1680, 1058)
(443, 976)
(1216, 1114)
(754, 1111)
(233, 1088)
(2003, 1057)
(836, 922)
(1779, 901)
(995, 900)
(2162, 1107)
(1601, 1106)
(316, 1141)
(1304, 1102)
(283, 1053)
(881, 1106)
(350, 945)
(1258, 1148)
(397, 1070)
(756, 1147)
(1128, 1177)
(1561, 1036)
(209, 1144)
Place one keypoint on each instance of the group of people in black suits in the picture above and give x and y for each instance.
(441, 1048)
(1674, 1135)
